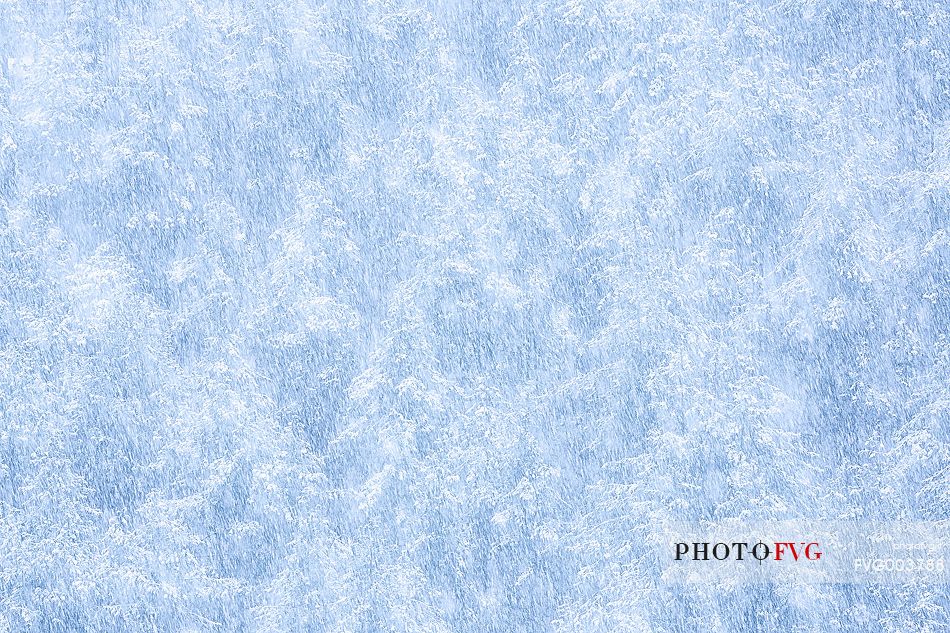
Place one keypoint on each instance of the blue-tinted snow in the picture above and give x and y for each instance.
(425, 316)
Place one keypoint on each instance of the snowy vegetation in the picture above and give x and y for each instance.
(422, 316)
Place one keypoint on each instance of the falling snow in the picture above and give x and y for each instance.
(406, 315)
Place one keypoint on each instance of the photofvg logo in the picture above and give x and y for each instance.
(759, 551)
(804, 552)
